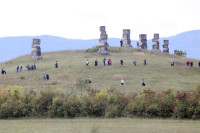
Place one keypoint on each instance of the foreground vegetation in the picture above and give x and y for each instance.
(118, 125)
(109, 103)
(158, 74)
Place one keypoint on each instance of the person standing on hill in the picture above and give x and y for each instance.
(20, 68)
(104, 61)
(56, 64)
(96, 63)
(44, 77)
(87, 62)
(134, 62)
(121, 43)
(143, 84)
(191, 63)
(199, 63)
(17, 69)
(121, 62)
(122, 82)
(145, 62)
(47, 76)
(188, 63)
(172, 62)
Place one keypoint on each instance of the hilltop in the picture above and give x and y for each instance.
(158, 74)
(17, 46)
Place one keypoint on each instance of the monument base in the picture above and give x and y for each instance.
(103, 50)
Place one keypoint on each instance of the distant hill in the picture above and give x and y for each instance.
(12, 47)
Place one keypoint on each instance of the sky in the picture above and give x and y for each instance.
(81, 19)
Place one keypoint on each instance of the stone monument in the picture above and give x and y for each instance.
(155, 40)
(126, 38)
(143, 41)
(165, 46)
(36, 50)
(103, 41)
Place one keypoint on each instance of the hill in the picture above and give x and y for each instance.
(16, 46)
(158, 74)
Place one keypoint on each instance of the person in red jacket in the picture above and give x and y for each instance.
(188, 63)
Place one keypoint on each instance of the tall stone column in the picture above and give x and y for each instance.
(165, 46)
(36, 50)
(103, 41)
(126, 38)
(155, 40)
(143, 41)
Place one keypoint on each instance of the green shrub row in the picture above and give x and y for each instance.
(109, 103)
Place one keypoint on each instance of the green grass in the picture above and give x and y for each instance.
(119, 125)
(158, 74)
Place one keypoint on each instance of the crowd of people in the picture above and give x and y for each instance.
(45, 77)
(31, 67)
(109, 62)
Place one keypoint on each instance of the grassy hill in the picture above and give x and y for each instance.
(158, 74)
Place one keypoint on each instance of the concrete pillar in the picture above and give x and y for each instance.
(36, 50)
(126, 38)
(143, 41)
(165, 46)
(103, 41)
(155, 40)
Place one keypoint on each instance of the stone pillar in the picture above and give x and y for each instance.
(126, 38)
(143, 41)
(36, 51)
(155, 40)
(165, 46)
(103, 41)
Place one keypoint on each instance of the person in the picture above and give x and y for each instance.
(110, 62)
(121, 43)
(44, 77)
(188, 63)
(3, 71)
(104, 61)
(172, 62)
(137, 44)
(56, 64)
(96, 63)
(17, 69)
(27, 67)
(47, 76)
(121, 62)
(30, 67)
(122, 82)
(191, 63)
(145, 62)
(143, 84)
(87, 62)
(34, 67)
(20, 68)
(134, 62)
(90, 80)
(199, 63)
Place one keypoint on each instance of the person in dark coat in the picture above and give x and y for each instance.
(121, 62)
(191, 63)
(17, 69)
(145, 62)
(47, 76)
(199, 63)
(96, 63)
(56, 64)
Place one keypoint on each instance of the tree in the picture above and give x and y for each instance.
(180, 53)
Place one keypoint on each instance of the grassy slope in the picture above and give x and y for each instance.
(119, 125)
(158, 73)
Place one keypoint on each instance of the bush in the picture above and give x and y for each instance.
(108, 103)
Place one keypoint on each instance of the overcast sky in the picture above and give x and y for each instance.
(81, 19)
